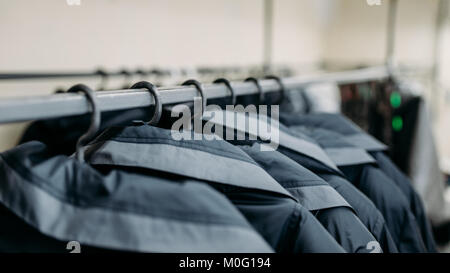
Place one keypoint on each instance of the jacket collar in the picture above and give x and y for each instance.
(215, 161)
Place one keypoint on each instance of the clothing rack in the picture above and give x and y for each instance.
(71, 104)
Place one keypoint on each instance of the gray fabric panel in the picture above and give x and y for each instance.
(307, 148)
(349, 156)
(318, 197)
(281, 138)
(366, 142)
(120, 230)
(187, 162)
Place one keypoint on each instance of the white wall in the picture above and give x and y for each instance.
(358, 33)
(49, 35)
(298, 37)
(414, 41)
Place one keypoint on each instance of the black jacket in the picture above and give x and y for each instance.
(337, 123)
(366, 211)
(388, 198)
(415, 202)
(285, 224)
(47, 201)
(335, 214)
(308, 153)
(357, 137)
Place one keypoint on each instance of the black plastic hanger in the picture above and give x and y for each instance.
(228, 84)
(261, 98)
(127, 75)
(282, 88)
(156, 97)
(104, 79)
(95, 119)
(199, 88)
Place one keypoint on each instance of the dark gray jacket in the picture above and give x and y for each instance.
(285, 224)
(354, 135)
(366, 211)
(378, 187)
(330, 208)
(47, 201)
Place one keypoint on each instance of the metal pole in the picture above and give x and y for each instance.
(32, 75)
(390, 33)
(442, 14)
(268, 34)
(65, 104)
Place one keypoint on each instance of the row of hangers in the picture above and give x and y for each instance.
(95, 120)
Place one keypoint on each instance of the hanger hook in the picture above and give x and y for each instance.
(199, 88)
(262, 97)
(142, 73)
(228, 85)
(127, 78)
(95, 118)
(104, 78)
(282, 87)
(156, 97)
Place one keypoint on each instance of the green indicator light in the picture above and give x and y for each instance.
(397, 123)
(396, 99)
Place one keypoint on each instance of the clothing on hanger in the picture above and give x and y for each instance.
(307, 182)
(342, 125)
(365, 209)
(49, 200)
(380, 189)
(337, 123)
(285, 224)
(330, 208)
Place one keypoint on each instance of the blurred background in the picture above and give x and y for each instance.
(302, 36)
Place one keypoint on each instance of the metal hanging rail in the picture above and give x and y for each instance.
(32, 75)
(98, 73)
(123, 72)
(70, 104)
